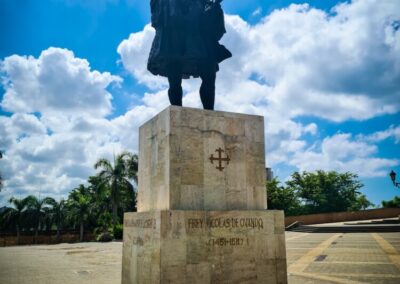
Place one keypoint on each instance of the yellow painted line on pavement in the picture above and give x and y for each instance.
(301, 264)
(326, 278)
(390, 251)
(353, 262)
(365, 275)
(297, 237)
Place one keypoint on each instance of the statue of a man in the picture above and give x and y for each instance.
(186, 44)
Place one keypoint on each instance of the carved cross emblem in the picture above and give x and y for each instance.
(219, 159)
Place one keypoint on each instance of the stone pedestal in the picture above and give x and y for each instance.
(202, 202)
(176, 172)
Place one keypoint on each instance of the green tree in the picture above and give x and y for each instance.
(116, 176)
(16, 214)
(362, 203)
(132, 163)
(322, 191)
(394, 203)
(282, 198)
(100, 193)
(80, 207)
(38, 209)
(58, 214)
(129, 201)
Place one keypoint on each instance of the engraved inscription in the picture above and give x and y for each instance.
(141, 223)
(139, 241)
(219, 159)
(221, 242)
(253, 223)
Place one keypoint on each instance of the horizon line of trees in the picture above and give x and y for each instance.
(320, 192)
(97, 206)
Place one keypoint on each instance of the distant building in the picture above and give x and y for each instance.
(270, 174)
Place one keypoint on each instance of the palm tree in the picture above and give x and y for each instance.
(116, 176)
(17, 213)
(58, 215)
(37, 209)
(80, 206)
(133, 166)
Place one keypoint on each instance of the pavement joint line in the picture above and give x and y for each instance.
(390, 251)
(297, 237)
(326, 278)
(301, 264)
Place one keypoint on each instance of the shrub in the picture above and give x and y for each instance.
(118, 231)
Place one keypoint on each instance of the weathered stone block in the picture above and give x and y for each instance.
(204, 247)
(175, 169)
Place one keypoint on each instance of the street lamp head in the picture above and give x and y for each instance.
(393, 176)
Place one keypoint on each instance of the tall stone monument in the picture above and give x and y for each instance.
(201, 203)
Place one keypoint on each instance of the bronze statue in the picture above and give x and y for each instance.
(186, 44)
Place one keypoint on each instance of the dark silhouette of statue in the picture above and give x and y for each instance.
(186, 45)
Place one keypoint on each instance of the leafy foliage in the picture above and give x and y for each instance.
(98, 205)
(15, 216)
(282, 198)
(80, 208)
(115, 177)
(37, 210)
(394, 203)
(362, 203)
(317, 192)
(118, 231)
(58, 214)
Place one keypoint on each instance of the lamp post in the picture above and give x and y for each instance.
(393, 178)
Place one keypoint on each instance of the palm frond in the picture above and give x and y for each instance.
(103, 163)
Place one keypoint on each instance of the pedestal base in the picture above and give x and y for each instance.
(204, 247)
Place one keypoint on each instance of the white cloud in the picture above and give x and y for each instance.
(257, 12)
(27, 124)
(57, 81)
(54, 150)
(134, 52)
(391, 132)
(6, 139)
(342, 153)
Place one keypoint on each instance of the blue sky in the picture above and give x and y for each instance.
(325, 75)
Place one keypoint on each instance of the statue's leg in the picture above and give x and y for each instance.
(207, 89)
(175, 92)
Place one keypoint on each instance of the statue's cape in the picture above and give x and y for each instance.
(187, 32)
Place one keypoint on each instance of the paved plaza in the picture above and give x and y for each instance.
(312, 258)
(343, 258)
